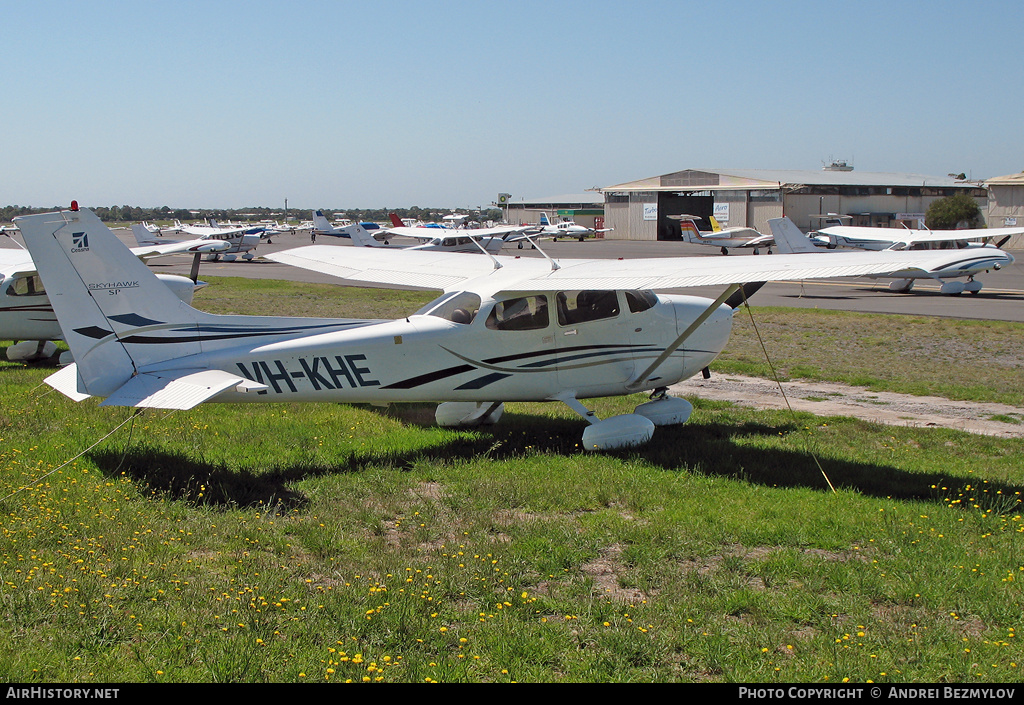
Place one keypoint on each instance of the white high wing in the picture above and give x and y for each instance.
(725, 238)
(866, 238)
(436, 238)
(945, 264)
(26, 314)
(433, 239)
(504, 329)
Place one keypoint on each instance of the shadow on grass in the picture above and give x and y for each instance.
(710, 448)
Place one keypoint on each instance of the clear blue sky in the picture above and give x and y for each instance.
(225, 103)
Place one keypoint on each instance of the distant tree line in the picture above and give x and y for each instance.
(134, 214)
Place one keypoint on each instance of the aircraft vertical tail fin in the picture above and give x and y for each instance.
(395, 220)
(544, 219)
(361, 237)
(690, 231)
(788, 238)
(142, 235)
(320, 222)
(104, 297)
(715, 227)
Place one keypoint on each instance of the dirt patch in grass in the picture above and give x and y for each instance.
(605, 571)
(832, 399)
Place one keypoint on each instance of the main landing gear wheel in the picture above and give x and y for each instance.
(628, 430)
(468, 413)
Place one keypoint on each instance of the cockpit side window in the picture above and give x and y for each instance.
(457, 307)
(27, 286)
(520, 313)
(641, 300)
(587, 305)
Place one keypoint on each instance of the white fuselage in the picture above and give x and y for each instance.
(429, 358)
(454, 242)
(966, 262)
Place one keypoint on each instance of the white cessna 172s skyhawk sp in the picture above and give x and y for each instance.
(504, 329)
(943, 266)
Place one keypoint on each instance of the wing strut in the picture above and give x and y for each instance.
(554, 264)
(638, 381)
(476, 241)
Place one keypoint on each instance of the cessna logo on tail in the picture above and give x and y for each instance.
(79, 242)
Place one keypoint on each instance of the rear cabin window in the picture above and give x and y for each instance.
(521, 313)
(587, 305)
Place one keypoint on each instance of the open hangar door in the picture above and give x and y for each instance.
(682, 204)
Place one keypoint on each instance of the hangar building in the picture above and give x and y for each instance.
(1006, 205)
(639, 210)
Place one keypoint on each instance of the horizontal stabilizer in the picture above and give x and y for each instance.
(176, 389)
(65, 381)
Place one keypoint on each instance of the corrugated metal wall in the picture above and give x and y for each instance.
(626, 215)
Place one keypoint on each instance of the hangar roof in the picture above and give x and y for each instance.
(739, 179)
(1011, 180)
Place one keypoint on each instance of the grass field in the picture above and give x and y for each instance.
(312, 543)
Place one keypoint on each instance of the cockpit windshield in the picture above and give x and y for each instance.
(456, 306)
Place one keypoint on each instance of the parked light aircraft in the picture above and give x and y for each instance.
(867, 238)
(26, 314)
(566, 228)
(504, 329)
(322, 226)
(437, 238)
(243, 238)
(944, 265)
(726, 238)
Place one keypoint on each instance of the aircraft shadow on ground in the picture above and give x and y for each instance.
(712, 449)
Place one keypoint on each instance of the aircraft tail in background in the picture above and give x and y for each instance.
(788, 238)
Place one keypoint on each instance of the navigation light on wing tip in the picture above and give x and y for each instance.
(74, 205)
